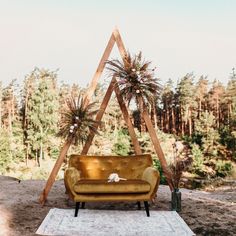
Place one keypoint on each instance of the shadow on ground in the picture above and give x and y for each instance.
(206, 214)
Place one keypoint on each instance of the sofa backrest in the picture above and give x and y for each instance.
(100, 167)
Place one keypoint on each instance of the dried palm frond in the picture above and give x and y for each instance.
(134, 78)
(78, 120)
(182, 161)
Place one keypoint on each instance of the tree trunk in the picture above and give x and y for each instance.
(9, 118)
(25, 112)
(36, 157)
(13, 106)
(200, 108)
(27, 154)
(41, 153)
(167, 120)
(0, 104)
(157, 146)
(230, 109)
(53, 175)
(229, 112)
(161, 120)
(153, 115)
(142, 122)
(128, 121)
(207, 126)
(182, 122)
(173, 121)
(190, 122)
(217, 112)
(177, 121)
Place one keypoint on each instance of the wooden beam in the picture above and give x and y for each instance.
(148, 122)
(88, 95)
(127, 119)
(54, 172)
(100, 68)
(157, 147)
(99, 116)
(119, 43)
(115, 38)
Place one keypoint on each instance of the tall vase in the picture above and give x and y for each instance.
(176, 200)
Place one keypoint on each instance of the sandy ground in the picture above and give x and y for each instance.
(206, 213)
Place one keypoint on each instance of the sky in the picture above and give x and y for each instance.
(178, 36)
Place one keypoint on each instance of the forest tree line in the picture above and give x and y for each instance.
(201, 113)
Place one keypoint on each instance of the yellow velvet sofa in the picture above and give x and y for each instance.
(86, 179)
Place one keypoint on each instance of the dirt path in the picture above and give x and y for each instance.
(206, 213)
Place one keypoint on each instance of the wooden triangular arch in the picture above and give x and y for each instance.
(115, 38)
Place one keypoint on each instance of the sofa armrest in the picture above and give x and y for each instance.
(71, 177)
(152, 176)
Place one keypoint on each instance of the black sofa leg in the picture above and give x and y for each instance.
(83, 205)
(147, 208)
(139, 205)
(77, 204)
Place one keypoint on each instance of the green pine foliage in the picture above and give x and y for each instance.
(5, 151)
(194, 110)
(209, 154)
(17, 146)
(122, 145)
(157, 165)
(205, 128)
(223, 168)
(42, 112)
(198, 159)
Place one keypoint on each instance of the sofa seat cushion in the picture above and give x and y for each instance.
(86, 186)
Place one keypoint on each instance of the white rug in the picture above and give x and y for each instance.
(113, 223)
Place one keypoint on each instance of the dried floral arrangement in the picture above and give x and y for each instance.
(181, 162)
(77, 120)
(135, 78)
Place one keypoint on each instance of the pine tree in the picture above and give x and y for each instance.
(0, 104)
(215, 96)
(112, 119)
(228, 131)
(42, 112)
(5, 150)
(26, 93)
(231, 94)
(186, 99)
(8, 106)
(153, 111)
(206, 129)
(168, 104)
(201, 93)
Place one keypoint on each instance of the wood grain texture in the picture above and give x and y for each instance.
(99, 116)
(115, 38)
(119, 43)
(127, 119)
(157, 147)
(100, 68)
(54, 172)
(151, 130)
